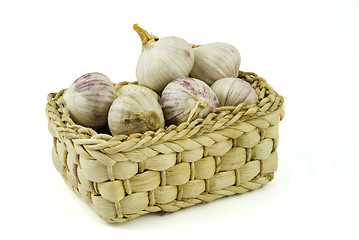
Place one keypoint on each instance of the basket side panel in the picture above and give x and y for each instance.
(171, 175)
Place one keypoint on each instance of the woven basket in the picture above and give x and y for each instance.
(231, 151)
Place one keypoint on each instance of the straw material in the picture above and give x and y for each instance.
(231, 151)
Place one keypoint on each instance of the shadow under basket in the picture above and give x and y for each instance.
(231, 151)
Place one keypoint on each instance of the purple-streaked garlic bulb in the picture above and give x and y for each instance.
(89, 98)
(186, 99)
(135, 112)
(214, 61)
(162, 60)
(134, 87)
(233, 91)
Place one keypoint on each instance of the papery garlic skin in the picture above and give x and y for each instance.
(233, 91)
(89, 98)
(214, 61)
(186, 99)
(134, 87)
(135, 112)
(162, 60)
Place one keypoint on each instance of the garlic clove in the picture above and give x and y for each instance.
(135, 112)
(162, 60)
(186, 99)
(233, 91)
(89, 98)
(134, 87)
(214, 61)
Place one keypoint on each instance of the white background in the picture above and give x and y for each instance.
(307, 50)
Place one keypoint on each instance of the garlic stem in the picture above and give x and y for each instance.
(195, 98)
(195, 110)
(144, 35)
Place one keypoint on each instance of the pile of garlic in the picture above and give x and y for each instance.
(177, 82)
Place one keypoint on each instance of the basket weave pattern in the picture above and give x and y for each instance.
(231, 151)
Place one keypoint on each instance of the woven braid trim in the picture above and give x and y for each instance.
(220, 118)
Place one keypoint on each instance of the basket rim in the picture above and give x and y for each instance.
(268, 101)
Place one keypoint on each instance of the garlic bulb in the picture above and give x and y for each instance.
(185, 99)
(162, 60)
(214, 61)
(233, 91)
(134, 87)
(89, 98)
(135, 112)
